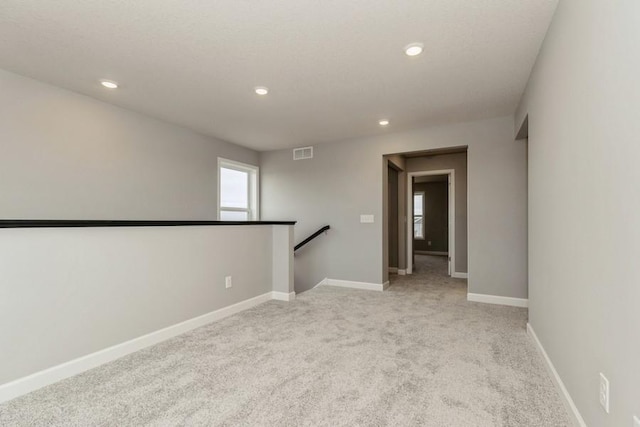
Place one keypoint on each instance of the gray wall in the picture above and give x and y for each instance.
(348, 178)
(458, 162)
(393, 217)
(582, 101)
(436, 217)
(68, 292)
(65, 293)
(67, 156)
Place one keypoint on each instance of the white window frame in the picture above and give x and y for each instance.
(253, 196)
(413, 215)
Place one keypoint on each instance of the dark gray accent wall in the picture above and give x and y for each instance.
(436, 217)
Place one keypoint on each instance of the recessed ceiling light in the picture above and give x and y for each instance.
(383, 122)
(414, 49)
(109, 84)
(261, 90)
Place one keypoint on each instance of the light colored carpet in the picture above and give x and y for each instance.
(417, 354)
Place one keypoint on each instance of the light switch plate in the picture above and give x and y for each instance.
(366, 219)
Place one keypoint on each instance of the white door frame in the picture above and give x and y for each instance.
(452, 216)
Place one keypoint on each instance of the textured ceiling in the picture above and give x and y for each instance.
(334, 67)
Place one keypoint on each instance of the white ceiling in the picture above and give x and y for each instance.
(333, 67)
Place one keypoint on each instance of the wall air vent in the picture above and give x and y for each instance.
(302, 153)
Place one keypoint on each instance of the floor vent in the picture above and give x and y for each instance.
(302, 153)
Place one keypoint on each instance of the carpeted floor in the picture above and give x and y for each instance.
(417, 354)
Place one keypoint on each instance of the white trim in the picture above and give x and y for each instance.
(321, 283)
(73, 367)
(355, 285)
(402, 272)
(458, 275)
(495, 299)
(253, 188)
(431, 253)
(469, 216)
(283, 296)
(393, 270)
(571, 407)
(452, 215)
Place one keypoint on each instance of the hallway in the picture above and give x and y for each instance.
(431, 265)
(430, 280)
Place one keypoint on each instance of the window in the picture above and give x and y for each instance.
(237, 191)
(418, 215)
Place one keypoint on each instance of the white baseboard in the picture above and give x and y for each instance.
(283, 296)
(566, 397)
(398, 271)
(494, 299)
(457, 275)
(321, 283)
(73, 367)
(437, 253)
(356, 285)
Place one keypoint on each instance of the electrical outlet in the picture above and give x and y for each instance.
(428, 242)
(636, 421)
(227, 282)
(604, 392)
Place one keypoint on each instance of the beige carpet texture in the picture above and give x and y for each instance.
(417, 354)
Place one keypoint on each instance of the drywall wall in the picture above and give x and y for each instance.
(436, 220)
(65, 293)
(347, 179)
(68, 292)
(582, 103)
(68, 156)
(393, 217)
(457, 162)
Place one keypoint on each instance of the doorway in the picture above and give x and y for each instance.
(449, 164)
(432, 210)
